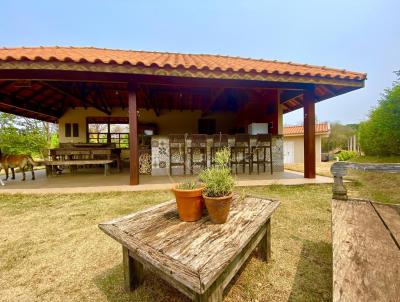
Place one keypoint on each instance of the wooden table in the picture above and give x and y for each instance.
(366, 251)
(198, 258)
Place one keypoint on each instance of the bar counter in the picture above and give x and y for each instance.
(160, 154)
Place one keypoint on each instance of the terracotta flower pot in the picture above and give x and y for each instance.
(218, 207)
(190, 203)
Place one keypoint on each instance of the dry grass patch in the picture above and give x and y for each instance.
(52, 249)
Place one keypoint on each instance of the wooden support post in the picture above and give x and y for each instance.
(264, 247)
(275, 104)
(133, 271)
(133, 135)
(309, 134)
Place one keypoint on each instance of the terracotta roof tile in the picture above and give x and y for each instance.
(321, 128)
(173, 60)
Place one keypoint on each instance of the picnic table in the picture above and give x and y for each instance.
(198, 258)
(83, 155)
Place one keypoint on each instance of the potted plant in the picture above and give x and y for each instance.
(189, 200)
(218, 186)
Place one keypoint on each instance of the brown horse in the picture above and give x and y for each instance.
(17, 161)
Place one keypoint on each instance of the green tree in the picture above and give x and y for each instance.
(19, 135)
(380, 134)
(338, 137)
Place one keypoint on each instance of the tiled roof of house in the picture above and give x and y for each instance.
(173, 60)
(321, 128)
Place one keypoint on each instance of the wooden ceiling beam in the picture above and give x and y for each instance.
(149, 95)
(289, 95)
(100, 94)
(21, 105)
(215, 94)
(79, 99)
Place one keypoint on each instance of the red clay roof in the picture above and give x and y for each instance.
(321, 128)
(173, 60)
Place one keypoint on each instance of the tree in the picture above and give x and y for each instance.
(380, 134)
(338, 137)
(19, 135)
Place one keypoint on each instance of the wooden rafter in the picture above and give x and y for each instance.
(287, 96)
(102, 97)
(80, 98)
(215, 94)
(21, 104)
(150, 97)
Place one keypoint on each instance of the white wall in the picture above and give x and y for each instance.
(298, 142)
(168, 122)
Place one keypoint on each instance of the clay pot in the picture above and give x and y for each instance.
(218, 208)
(190, 203)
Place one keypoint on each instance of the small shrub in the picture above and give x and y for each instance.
(346, 155)
(218, 180)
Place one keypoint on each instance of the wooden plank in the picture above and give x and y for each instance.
(366, 261)
(219, 261)
(164, 265)
(133, 135)
(133, 271)
(391, 216)
(309, 134)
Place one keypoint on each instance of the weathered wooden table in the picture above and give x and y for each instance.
(366, 251)
(198, 258)
(366, 242)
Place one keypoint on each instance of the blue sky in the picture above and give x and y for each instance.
(356, 35)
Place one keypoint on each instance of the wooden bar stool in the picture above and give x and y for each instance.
(197, 148)
(177, 152)
(259, 154)
(241, 152)
(219, 142)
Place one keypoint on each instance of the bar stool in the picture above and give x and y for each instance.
(219, 142)
(177, 152)
(259, 152)
(197, 148)
(241, 152)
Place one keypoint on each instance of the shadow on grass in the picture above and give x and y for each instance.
(313, 280)
(111, 283)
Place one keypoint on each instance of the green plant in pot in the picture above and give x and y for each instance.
(218, 186)
(189, 200)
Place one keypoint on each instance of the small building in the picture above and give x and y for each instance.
(133, 101)
(293, 142)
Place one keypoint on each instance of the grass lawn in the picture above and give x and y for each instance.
(52, 250)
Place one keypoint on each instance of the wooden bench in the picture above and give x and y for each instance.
(198, 258)
(366, 242)
(50, 164)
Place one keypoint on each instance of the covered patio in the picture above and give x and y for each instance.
(130, 102)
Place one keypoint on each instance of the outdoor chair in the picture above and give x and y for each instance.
(197, 151)
(177, 152)
(261, 153)
(240, 152)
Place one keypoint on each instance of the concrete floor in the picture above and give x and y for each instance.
(93, 180)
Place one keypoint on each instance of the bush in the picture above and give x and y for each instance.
(380, 134)
(346, 155)
(218, 180)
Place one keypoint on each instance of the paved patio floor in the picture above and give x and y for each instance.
(93, 180)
